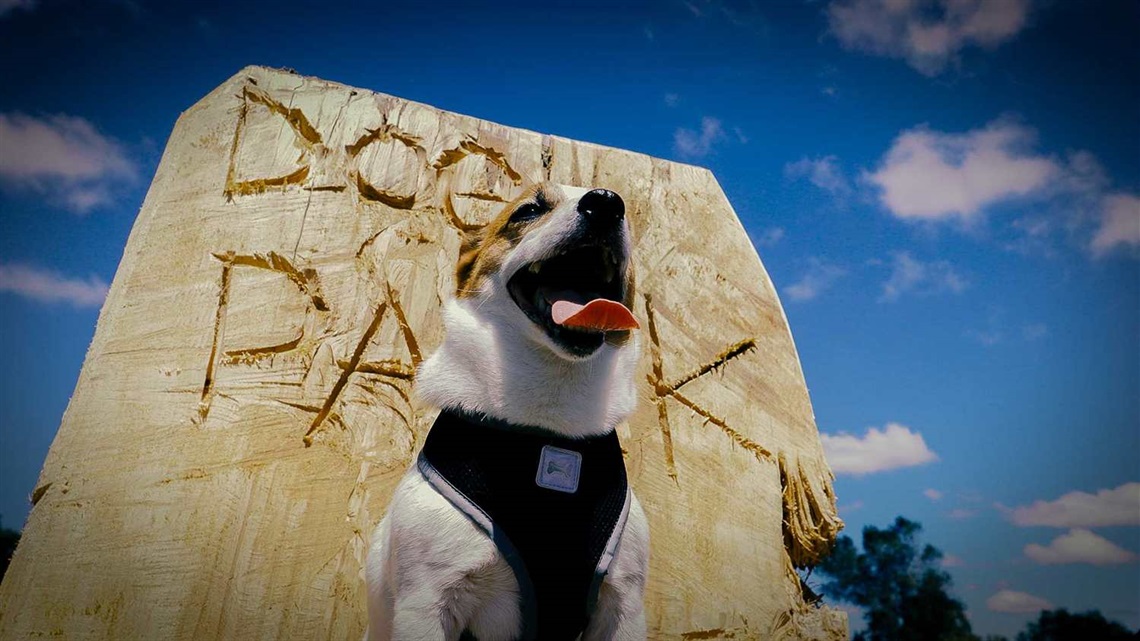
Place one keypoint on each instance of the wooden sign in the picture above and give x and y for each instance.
(247, 404)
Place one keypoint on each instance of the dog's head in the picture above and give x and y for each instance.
(554, 267)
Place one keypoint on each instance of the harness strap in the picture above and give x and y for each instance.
(554, 506)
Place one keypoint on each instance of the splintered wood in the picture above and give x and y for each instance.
(247, 404)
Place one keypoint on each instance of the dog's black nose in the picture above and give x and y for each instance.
(601, 206)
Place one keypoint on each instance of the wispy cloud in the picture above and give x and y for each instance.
(819, 277)
(931, 175)
(911, 275)
(1107, 507)
(743, 15)
(932, 494)
(1034, 235)
(769, 237)
(1035, 331)
(697, 144)
(992, 332)
(671, 99)
(961, 514)
(893, 447)
(952, 561)
(51, 287)
(988, 337)
(928, 34)
(1014, 602)
(1119, 224)
(1080, 546)
(823, 172)
(64, 158)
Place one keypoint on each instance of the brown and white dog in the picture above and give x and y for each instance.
(538, 334)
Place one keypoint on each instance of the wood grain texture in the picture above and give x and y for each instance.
(246, 406)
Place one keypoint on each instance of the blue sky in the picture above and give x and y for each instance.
(945, 192)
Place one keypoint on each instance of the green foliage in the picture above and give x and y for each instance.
(1060, 625)
(902, 587)
(903, 591)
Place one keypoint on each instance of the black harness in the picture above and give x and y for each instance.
(555, 507)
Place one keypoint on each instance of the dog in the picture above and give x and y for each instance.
(535, 371)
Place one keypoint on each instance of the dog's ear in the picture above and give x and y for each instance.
(468, 256)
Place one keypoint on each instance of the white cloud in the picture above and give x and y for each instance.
(987, 337)
(694, 144)
(10, 5)
(1033, 235)
(1079, 546)
(1013, 602)
(931, 175)
(893, 447)
(908, 274)
(1085, 174)
(928, 34)
(936, 176)
(1119, 224)
(819, 277)
(671, 99)
(50, 287)
(1119, 506)
(63, 157)
(848, 508)
(823, 172)
(952, 561)
(932, 494)
(770, 237)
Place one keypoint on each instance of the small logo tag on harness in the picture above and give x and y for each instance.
(558, 469)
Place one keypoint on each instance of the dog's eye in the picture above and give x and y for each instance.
(526, 212)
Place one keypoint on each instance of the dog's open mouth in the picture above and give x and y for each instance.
(574, 297)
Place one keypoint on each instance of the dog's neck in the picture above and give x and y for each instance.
(480, 368)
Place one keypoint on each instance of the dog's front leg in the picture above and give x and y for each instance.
(418, 618)
(416, 614)
(618, 617)
(404, 596)
(420, 552)
(620, 613)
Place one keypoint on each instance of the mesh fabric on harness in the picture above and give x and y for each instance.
(558, 543)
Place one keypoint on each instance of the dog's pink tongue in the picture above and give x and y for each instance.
(600, 315)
